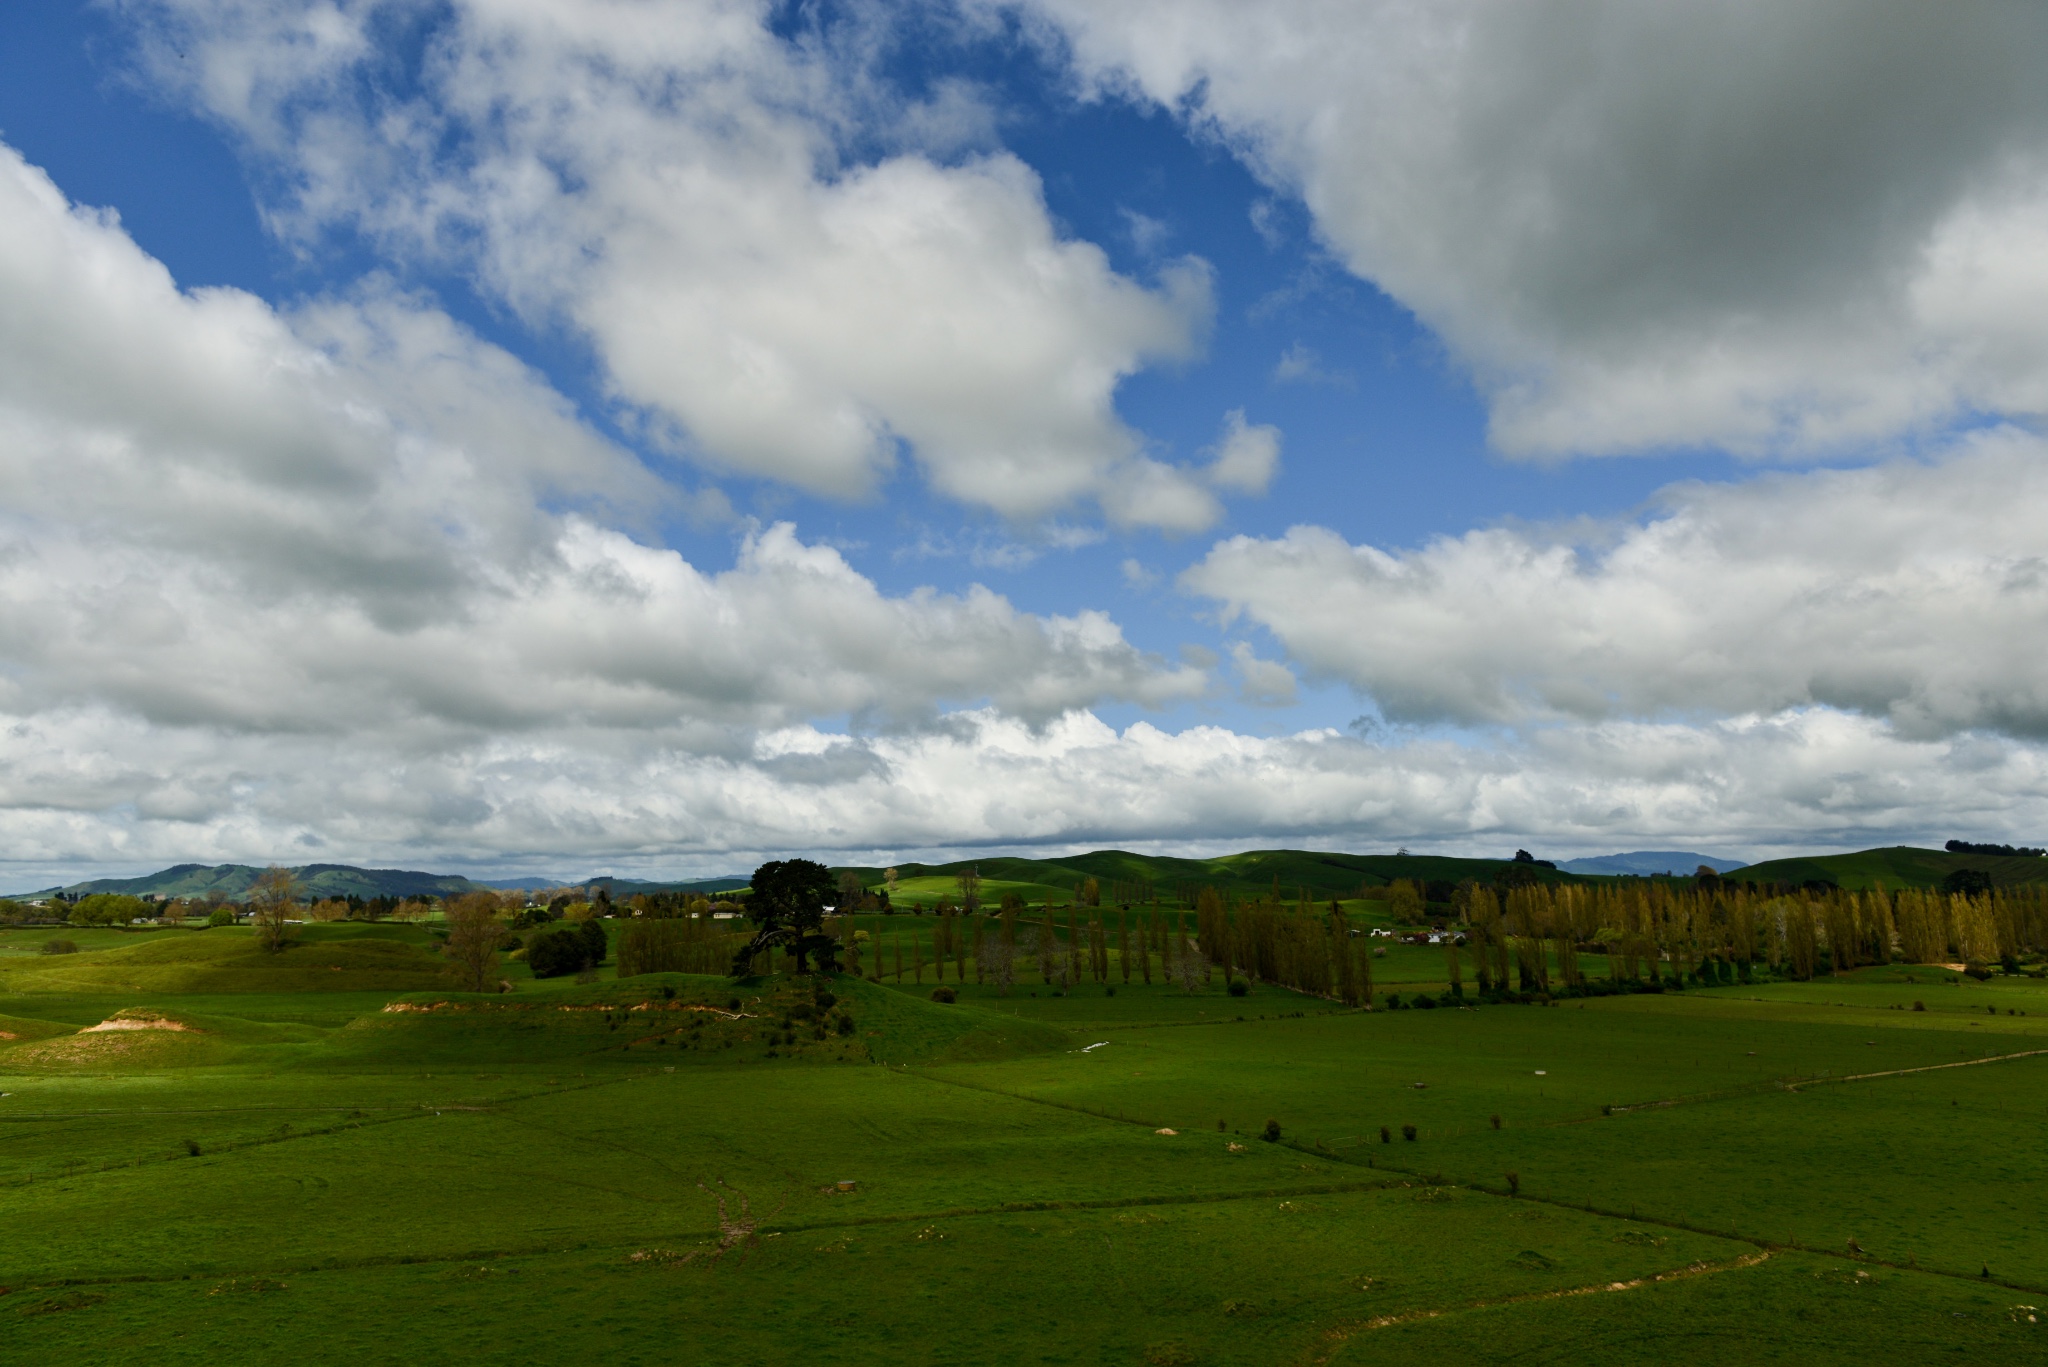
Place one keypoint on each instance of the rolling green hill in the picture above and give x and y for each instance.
(1247, 874)
(1898, 866)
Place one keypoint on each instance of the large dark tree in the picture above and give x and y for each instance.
(787, 906)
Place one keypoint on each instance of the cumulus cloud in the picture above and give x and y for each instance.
(1917, 593)
(336, 521)
(1262, 683)
(1765, 226)
(683, 187)
(1246, 456)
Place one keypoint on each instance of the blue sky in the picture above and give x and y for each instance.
(1649, 426)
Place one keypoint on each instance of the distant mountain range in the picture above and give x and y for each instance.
(1127, 877)
(233, 882)
(1642, 863)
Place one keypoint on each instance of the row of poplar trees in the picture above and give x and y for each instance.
(1653, 929)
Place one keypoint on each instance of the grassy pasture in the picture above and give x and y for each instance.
(303, 1173)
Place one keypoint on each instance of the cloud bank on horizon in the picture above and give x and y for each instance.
(589, 479)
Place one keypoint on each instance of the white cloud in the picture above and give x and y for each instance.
(331, 521)
(1147, 232)
(1246, 456)
(674, 182)
(69, 790)
(281, 585)
(1301, 364)
(1912, 592)
(1262, 683)
(1765, 226)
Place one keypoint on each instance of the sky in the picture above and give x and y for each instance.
(535, 437)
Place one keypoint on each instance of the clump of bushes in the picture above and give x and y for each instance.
(579, 949)
(59, 947)
(945, 994)
(1271, 1134)
(1238, 987)
(1408, 1133)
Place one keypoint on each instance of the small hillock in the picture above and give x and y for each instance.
(677, 1019)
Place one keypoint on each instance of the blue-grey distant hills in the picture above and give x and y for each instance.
(1644, 862)
(233, 882)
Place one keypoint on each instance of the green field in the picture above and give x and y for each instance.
(298, 1173)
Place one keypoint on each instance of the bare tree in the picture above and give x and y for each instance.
(1056, 961)
(970, 888)
(473, 936)
(850, 892)
(998, 962)
(272, 898)
(1186, 966)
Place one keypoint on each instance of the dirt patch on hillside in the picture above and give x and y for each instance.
(125, 1020)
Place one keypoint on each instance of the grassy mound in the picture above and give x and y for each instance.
(19, 1030)
(679, 1018)
(225, 960)
(142, 1038)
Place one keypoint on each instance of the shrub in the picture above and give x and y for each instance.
(1392, 1001)
(1514, 1184)
(595, 946)
(192, 1147)
(1238, 987)
(553, 953)
(1426, 1003)
(1919, 1006)
(1111, 992)
(1977, 971)
(1973, 882)
(825, 1000)
(944, 994)
(59, 947)
(1271, 1134)
(1386, 1135)
(220, 916)
(1494, 1120)
(846, 1025)
(1408, 1133)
